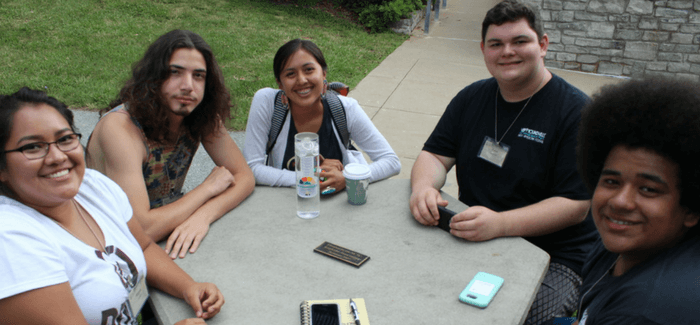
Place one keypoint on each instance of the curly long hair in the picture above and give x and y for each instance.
(660, 115)
(142, 92)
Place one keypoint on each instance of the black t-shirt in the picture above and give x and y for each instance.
(327, 141)
(665, 289)
(540, 164)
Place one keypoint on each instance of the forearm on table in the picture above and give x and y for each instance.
(163, 273)
(271, 176)
(545, 217)
(385, 168)
(385, 162)
(215, 208)
(158, 223)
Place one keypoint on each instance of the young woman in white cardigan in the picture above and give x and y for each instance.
(300, 71)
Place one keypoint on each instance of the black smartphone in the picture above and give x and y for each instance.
(445, 217)
(325, 314)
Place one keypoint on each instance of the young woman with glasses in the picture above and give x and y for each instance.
(71, 251)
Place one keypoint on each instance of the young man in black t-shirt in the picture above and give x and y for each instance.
(512, 139)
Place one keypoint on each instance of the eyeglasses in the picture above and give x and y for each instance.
(36, 150)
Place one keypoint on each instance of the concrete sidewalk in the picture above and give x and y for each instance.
(408, 92)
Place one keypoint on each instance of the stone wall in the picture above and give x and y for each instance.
(632, 38)
(406, 26)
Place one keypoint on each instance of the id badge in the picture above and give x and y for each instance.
(138, 296)
(493, 152)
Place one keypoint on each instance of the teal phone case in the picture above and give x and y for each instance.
(481, 289)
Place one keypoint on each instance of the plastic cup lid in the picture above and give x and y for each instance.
(356, 171)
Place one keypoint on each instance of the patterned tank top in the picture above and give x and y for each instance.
(166, 167)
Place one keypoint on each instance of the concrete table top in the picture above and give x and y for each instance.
(261, 257)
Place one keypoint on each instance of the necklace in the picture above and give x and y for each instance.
(498, 89)
(102, 245)
(593, 286)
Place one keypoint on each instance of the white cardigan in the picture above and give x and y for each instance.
(385, 163)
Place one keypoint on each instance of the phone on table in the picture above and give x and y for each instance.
(325, 314)
(481, 289)
(445, 217)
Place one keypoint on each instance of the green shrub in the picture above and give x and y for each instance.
(377, 17)
(307, 3)
(358, 5)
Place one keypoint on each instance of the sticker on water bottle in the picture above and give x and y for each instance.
(307, 186)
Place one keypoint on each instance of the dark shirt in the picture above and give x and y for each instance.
(664, 289)
(540, 164)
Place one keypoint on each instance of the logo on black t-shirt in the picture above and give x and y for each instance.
(533, 135)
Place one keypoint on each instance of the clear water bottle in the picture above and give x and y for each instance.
(307, 169)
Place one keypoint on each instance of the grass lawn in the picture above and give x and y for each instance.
(81, 51)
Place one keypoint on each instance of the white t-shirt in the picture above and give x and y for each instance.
(36, 252)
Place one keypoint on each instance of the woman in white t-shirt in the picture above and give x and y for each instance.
(71, 251)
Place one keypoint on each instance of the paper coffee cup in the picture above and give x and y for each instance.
(356, 182)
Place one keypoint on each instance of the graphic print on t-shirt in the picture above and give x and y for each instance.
(129, 275)
(533, 135)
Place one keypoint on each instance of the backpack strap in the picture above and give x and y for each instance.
(339, 118)
(280, 114)
(278, 117)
